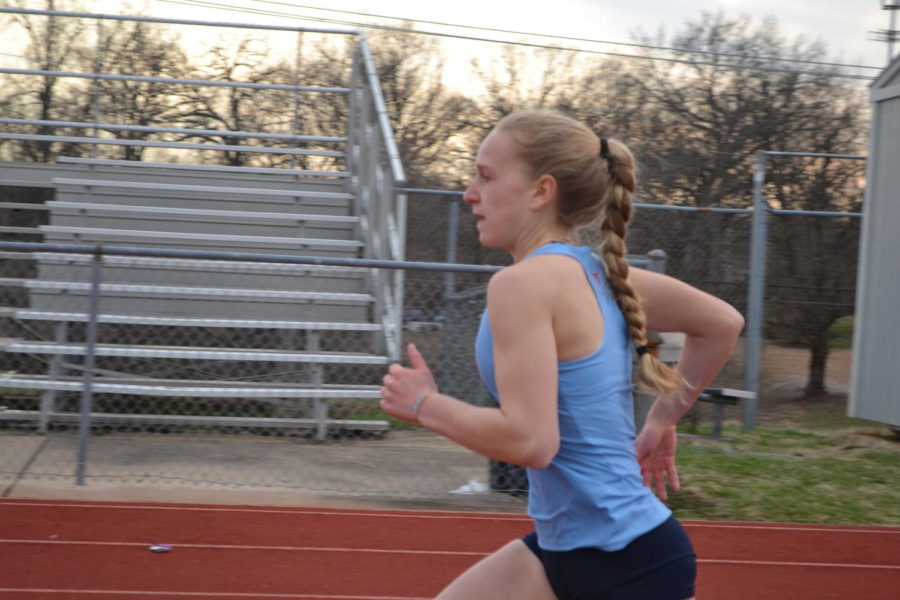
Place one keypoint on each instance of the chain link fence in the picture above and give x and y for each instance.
(243, 396)
(261, 440)
(810, 284)
(810, 300)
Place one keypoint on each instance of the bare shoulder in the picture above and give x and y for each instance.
(538, 277)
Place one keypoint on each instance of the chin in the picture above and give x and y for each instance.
(487, 242)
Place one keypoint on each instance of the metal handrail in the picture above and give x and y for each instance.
(151, 144)
(199, 82)
(249, 257)
(287, 137)
(381, 111)
(148, 164)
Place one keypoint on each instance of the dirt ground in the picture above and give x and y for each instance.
(784, 374)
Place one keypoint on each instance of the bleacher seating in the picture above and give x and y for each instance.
(306, 318)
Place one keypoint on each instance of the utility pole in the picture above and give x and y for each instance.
(891, 34)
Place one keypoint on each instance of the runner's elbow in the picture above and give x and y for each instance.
(725, 323)
(732, 322)
(539, 455)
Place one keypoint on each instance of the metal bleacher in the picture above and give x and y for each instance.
(150, 293)
(298, 336)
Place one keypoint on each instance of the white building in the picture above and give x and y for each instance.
(875, 387)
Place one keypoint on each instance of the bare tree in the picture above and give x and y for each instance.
(432, 123)
(53, 44)
(136, 48)
(247, 60)
(700, 128)
(695, 127)
(810, 292)
(528, 78)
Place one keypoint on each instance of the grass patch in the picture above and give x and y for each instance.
(367, 410)
(835, 475)
(840, 335)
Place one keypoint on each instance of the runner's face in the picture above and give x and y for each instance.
(500, 191)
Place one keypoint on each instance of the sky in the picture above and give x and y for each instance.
(845, 25)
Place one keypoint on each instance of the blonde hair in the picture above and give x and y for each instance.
(594, 196)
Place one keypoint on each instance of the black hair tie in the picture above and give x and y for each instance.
(642, 350)
(604, 149)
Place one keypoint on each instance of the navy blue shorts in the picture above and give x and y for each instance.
(659, 565)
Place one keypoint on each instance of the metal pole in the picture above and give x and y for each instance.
(756, 293)
(87, 396)
(452, 245)
(54, 371)
(892, 31)
(352, 148)
(95, 84)
(295, 124)
(658, 259)
(247, 257)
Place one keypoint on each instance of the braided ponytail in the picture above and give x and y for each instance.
(596, 182)
(617, 200)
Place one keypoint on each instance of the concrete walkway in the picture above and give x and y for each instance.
(402, 470)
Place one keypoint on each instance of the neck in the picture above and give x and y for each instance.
(531, 243)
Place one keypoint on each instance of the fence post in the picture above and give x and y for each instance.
(87, 395)
(54, 370)
(353, 129)
(295, 118)
(657, 260)
(452, 245)
(95, 83)
(757, 290)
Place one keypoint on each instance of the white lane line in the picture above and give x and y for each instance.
(790, 528)
(416, 552)
(775, 563)
(299, 511)
(448, 516)
(245, 547)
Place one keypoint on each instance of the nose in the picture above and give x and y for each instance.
(470, 196)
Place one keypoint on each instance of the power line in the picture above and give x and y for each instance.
(215, 5)
(572, 39)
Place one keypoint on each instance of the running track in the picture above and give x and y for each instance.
(62, 550)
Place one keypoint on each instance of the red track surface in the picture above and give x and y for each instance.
(100, 551)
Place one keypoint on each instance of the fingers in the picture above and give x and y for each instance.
(655, 479)
(415, 357)
(672, 472)
(661, 487)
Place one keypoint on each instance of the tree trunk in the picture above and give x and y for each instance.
(818, 357)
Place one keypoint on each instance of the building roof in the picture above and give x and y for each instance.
(890, 76)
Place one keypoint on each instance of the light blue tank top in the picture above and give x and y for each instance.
(592, 493)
